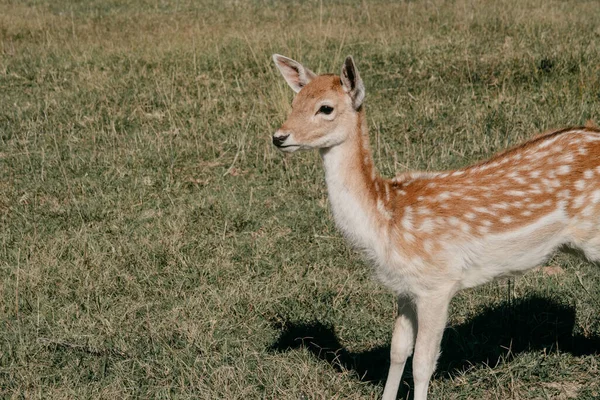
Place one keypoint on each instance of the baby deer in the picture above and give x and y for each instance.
(431, 234)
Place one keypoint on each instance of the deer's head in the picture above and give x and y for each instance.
(325, 109)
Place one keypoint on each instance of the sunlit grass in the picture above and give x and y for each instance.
(154, 244)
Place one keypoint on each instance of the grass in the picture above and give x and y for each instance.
(153, 244)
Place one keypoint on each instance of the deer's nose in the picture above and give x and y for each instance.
(279, 139)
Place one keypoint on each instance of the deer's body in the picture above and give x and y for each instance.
(474, 224)
(431, 234)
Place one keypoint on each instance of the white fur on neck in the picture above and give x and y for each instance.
(350, 203)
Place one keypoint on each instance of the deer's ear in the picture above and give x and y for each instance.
(352, 83)
(294, 73)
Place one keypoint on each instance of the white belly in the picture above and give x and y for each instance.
(513, 252)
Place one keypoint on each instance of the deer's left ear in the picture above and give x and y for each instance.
(295, 74)
(352, 83)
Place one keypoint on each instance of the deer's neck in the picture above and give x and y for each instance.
(358, 196)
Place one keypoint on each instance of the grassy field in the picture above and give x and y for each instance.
(153, 244)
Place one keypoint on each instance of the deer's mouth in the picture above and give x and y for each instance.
(290, 148)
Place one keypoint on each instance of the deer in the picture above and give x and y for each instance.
(432, 234)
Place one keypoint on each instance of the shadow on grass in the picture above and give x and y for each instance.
(495, 335)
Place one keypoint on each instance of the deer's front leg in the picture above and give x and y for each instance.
(432, 313)
(403, 340)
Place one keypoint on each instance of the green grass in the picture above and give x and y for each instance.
(153, 244)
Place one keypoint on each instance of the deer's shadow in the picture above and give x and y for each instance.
(495, 335)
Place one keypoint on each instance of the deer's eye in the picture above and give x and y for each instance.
(326, 110)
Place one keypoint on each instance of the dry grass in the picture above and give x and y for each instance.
(153, 244)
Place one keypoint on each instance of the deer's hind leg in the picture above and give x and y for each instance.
(586, 240)
(591, 248)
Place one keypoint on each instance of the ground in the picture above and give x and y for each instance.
(154, 244)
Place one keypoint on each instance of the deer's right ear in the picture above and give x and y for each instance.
(294, 73)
